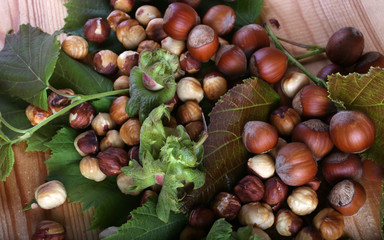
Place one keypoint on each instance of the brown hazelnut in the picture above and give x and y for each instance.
(97, 30)
(188, 63)
(75, 46)
(226, 205)
(253, 131)
(256, 214)
(81, 116)
(373, 171)
(293, 82)
(262, 165)
(57, 102)
(148, 45)
(188, 112)
(287, 223)
(189, 88)
(105, 62)
(133, 153)
(125, 182)
(330, 69)
(123, 5)
(86, 143)
(214, 85)
(172, 123)
(111, 139)
(192, 3)
(312, 101)
(249, 189)
(172, 45)
(130, 33)
(146, 195)
(146, 13)
(347, 197)
(369, 59)
(221, 18)
(116, 17)
(117, 110)
(309, 233)
(330, 223)
(280, 143)
(121, 82)
(201, 217)
(194, 129)
(191, 233)
(36, 115)
(284, 119)
(251, 38)
(202, 42)
(89, 168)
(155, 30)
(231, 60)
(102, 123)
(338, 166)
(275, 191)
(130, 132)
(303, 200)
(49, 230)
(112, 160)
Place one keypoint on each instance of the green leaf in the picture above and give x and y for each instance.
(7, 159)
(363, 93)
(111, 206)
(103, 104)
(27, 62)
(225, 156)
(220, 230)
(81, 78)
(146, 225)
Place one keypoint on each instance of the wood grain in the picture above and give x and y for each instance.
(310, 21)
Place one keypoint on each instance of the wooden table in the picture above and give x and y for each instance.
(309, 21)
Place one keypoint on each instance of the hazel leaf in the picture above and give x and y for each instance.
(7, 159)
(225, 156)
(363, 93)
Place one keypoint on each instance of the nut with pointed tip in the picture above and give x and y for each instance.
(338, 166)
(105, 62)
(303, 200)
(121, 82)
(221, 18)
(194, 130)
(50, 194)
(116, 17)
(251, 38)
(49, 230)
(312, 101)
(155, 30)
(231, 60)
(75, 46)
(81, 116)
(111, 139)
(89, 168)
(189, 89)
(214, 85)
(97, 30)
(36, 115)
(56, 102)
(86, 143)
(284, 119)
(130, 33)
(130, 132)
(173, 46)
(145, 13)
(330, 223)
(254, 131)
(124, 182)
(262, 165)
(226, 205)
(123, 5)
(287, 223)
(188, 112)
(148, 45)
(117, 110)
(308, 233)
(293, 82)
(102, 123)
(202, 42)
(112, 160)
(256, 214)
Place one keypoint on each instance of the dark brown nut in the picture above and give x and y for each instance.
(172, 45)
(261, 165)
(123, 5)
(148, 45)
(86, 143)
(188, 63)
(57, 102)
(112, 160)
(201, 217)
(81, 116)
(146, 195)
(102, 123)
(117, 110)
(191, 233)
(256, 214)
(275, 191)
(121, 82)
(146, 13)
(155, 30)
(171, 123)
(303, 200)
(105, 62)
(339, 166)
(214, 85)
(116, 17)
(188, 112)
(249, 189)
(309, 233)
(36, 115)
(75, 46)
(130, 132)
(287, 223)
(127, 60)
(194, 130)
(49, 230)
(284, 119)
(133, 153)
(369, 59)
(97, 30)
(130, 33)
(330, 223)
(226, 205)
(251, 38)
(89, 168)
(231, 60)
(329, 70)
(111, 139)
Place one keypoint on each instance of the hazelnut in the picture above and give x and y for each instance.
(146, 13)
(121, 82)
(189, 64)
(192, 3)
(249, 189)
(124, 183)
(312, 101)
(214, 85)
(146, 195)
(189, 88)
(112, 160)
(253, 131)
(338, 166)
(36, 115)
(201, 217)
(202, 42)
(330, 69)
(148, 45)
(260, 234)
(89, 168)
(191, 233)
(287, 223)
(256, 214)
(102, 123)
(347, 197)
(49, 230)
(123, 5)
(330, 223)
(188, 112)
(194, 129)
(284, 119)
(86, 143)
(97, 30)
(117, 110)
(251, 38)
(262, 165)
(314, 183)
(130, 33)
(111, 139)
(155, 30)
(372, 171)
(105, 62)
(81, 116)
(293, 82)
(75, 46)
(173, 46)
(280, 143)
(130, 132)
(369, 59)
(57, 102)
(309, 233)
(226, 205)
(221, 18)
(303, 200)
(116, 17)
(50, 194)
(133, 153)
(275, 191)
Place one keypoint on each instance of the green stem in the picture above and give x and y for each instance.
(83, 98)
(278, 45)
(308, 47)
(310, 54)
(61, 93)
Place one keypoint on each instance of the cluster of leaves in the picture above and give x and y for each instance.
(222, 230)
